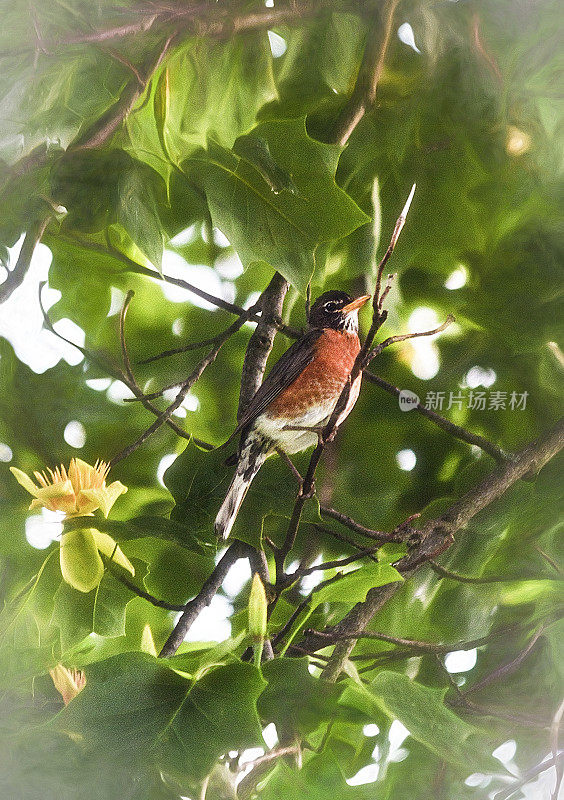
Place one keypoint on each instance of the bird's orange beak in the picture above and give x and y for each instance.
(354, 304)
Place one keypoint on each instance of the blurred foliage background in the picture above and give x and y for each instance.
(197, 143)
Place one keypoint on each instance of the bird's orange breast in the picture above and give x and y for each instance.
(323, 379)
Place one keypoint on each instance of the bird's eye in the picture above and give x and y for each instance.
(331, 306)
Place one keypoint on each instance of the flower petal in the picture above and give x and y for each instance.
(58, 497)
(24, 480)
(106, 497)
(81, 565)
(109, 548)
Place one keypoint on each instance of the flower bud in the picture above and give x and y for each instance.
(68, 682)
(257, 610)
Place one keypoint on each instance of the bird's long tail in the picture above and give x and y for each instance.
(252, 457)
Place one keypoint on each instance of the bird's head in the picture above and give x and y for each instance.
(336, 310)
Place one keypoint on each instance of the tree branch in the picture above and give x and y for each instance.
(557, 761)
(183, 390)
(455, 576)
(437, 535)
(204, 597)
(364, 92)
(16, 276)
(349, 522)
(342, 538)
(106, 125)
(219, 302)
(506, 669)
(446, 425)
(200, 20)
(432, 647)
(260, 343)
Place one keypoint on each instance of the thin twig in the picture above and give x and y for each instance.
(118, 575)
(113, 371)
(183, 390)
(301, 572)
(201, 20)
(432, 647)
(405, 336)
(176, 350)
(138, 269)
(272, 755)
(349, 522)
(130, 381)
(300, 607)
(107, 124)
(455, 576)
(446, 425)
(528, 776)
(342, 538)
(549, 560)
(461, 702)
(506, 669)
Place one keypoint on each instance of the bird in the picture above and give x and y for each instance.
(298, 395)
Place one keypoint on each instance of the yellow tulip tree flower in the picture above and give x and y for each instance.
(78, 492)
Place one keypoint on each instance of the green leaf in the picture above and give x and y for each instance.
(429, 721)
(319, 779)
(293, 698)
(210, 87)
(110, 189)
(135, 707)
(199, 479)
(100, 611)
(283, 229)
(219, 714)
(353, 586)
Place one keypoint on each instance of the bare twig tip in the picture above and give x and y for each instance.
(407, 205)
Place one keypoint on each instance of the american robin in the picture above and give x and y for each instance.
(298, 395)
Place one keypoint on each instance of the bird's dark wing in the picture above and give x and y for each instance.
(282, 374)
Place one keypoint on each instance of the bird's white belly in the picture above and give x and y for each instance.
(293, 441)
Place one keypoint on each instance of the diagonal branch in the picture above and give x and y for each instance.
(107, 124)
(364, 92)
(118, 575)
(438, 534)
(446, 425)
(437, 648)
(455, 576)
(204, 597)
(349, 522)
(15, 277)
